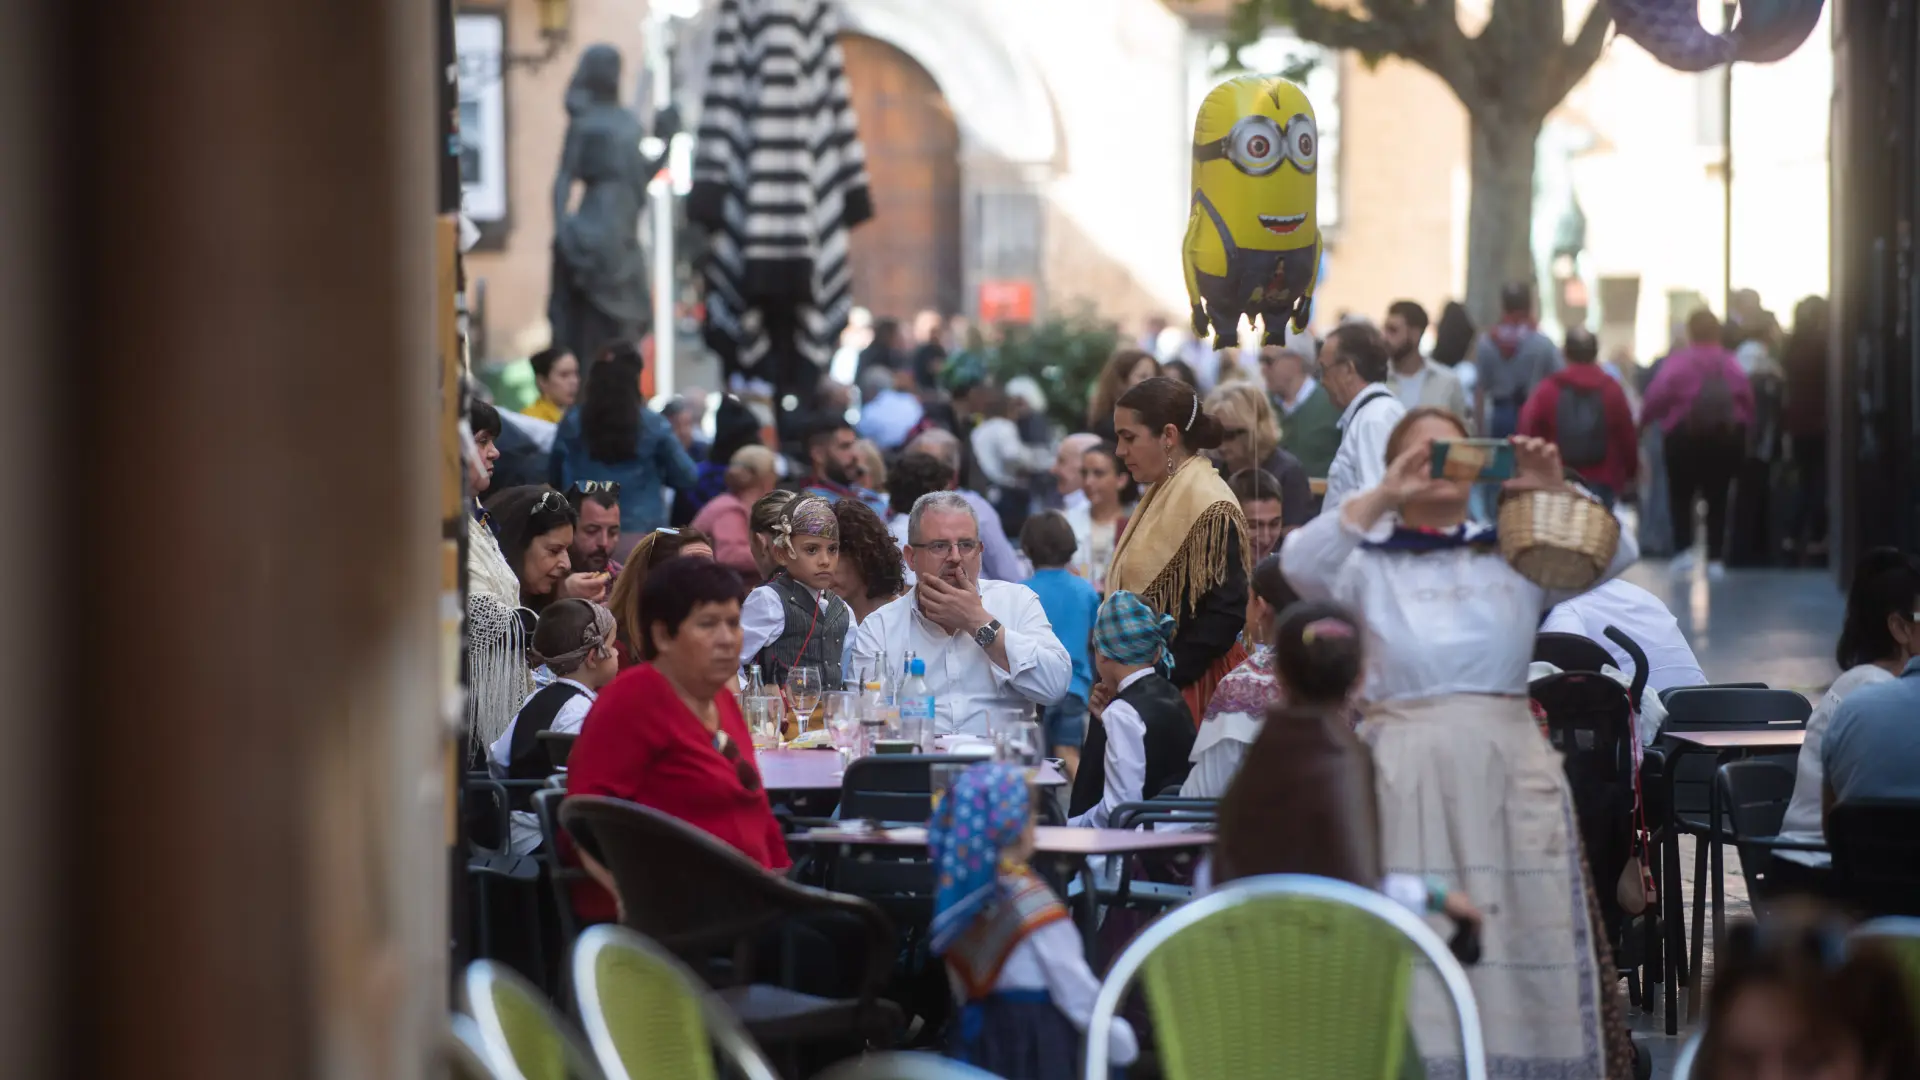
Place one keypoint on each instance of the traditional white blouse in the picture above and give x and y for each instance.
(1093, 544)
(1454, 621)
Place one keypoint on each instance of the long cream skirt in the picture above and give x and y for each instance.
(1471, 792)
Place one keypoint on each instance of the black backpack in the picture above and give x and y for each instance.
(1712, 408)
(1580, 426)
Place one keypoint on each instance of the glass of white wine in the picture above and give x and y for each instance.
(803, 693)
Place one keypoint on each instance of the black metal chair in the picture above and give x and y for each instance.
(715, 908)
(1876, 854)
(1672, 690)
(1143, 893)
(894, 787)
(1755, 795)
(559, 746)
(1571, 652)
(1589, 719)
(1677, 782)
(492, 864)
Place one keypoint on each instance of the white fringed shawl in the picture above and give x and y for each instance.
(497, 676)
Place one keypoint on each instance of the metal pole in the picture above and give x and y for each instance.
(1726, 175)
(660, 190)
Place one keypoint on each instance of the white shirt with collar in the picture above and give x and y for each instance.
(565, 722)
(1126, 757)
(1306, 391)
(966, 684)
(763, 617)
(524, 836)
(1361, 462)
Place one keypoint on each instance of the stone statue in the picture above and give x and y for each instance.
(599, 286)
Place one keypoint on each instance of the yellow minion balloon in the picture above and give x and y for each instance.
(1253, 245)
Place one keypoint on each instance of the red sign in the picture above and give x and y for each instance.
(1006, 302)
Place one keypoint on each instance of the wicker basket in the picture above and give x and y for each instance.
(1557, 539)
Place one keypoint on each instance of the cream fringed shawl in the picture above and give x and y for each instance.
(498, 679)
(1175, 548)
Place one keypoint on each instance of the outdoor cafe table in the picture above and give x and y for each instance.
(1726, 745)
(1071, 846)
(819, 770)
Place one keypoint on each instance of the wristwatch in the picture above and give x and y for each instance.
(987, 635)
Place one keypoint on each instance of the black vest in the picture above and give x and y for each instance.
(807, 637)
(1169, 741)
(526, 758)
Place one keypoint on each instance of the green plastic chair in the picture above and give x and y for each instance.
(1900, 933)
(1285, 975)
(521, 1035)
(464, 1050)
(648, 1017)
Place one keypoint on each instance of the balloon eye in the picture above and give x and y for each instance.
(1306, 145)
(1256, 145)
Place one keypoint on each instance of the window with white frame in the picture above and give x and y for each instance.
(480, 42)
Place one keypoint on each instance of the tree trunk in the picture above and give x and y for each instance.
(1500, 211)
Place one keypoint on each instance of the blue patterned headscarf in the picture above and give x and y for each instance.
(1129, 632)
(982, 815)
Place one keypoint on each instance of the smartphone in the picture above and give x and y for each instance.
(1472, 459)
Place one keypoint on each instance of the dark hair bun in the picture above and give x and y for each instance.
(1318, 652)
(1206, 433)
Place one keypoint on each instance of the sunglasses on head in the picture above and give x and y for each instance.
(549, 500)
(595, 487)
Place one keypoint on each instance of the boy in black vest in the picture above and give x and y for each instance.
(574, 641)
(795, 619)
(1140, 745)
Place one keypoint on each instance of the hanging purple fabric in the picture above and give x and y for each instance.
(1768, 30)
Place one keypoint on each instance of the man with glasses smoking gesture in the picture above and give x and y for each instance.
(987, 644)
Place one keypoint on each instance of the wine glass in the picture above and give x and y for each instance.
(803, 692)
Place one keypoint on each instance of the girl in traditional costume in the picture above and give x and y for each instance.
(1013, 956)
(1467, 789)
(1240, 703)
(1185, 549)
(795, 619)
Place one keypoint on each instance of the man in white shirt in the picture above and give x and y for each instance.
(1641, 616)
(986, 644)
(1353, 371)
(1418, 380)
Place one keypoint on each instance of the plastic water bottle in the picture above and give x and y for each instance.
(916, 704)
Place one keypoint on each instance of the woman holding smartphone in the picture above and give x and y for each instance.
(1468, 790)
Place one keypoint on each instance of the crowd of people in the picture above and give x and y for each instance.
(1208, 590)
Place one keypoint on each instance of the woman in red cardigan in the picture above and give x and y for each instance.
(667, 734)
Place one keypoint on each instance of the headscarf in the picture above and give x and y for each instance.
(596, 641)
(1129, 632)
(808, 515)
(982, 815)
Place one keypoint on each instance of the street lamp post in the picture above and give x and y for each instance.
(1726, 174)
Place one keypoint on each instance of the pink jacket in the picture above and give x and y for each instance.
(1670, 397)
(724, 520)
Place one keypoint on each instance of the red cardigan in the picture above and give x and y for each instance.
(642, 744)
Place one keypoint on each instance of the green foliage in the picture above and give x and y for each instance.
(1065, 354)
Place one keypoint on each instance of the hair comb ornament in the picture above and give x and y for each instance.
(1331, 629)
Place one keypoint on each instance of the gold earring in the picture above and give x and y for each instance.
(1169, 451)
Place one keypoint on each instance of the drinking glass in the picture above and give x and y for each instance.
(1020, 743)
(758, 711)
(803, 692)
(843, 724)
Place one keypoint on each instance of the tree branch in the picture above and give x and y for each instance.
(1340, 30)
(1574, 59)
